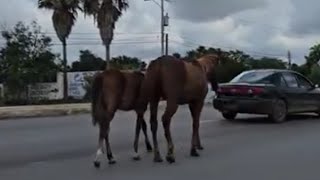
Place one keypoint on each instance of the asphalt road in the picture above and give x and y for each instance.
(250, 148)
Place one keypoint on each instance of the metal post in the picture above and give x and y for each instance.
(289, 59)
(162, 23)
(167, 42)
(162, 28)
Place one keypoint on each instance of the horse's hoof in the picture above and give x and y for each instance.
(194, 153)
(111, 162)
(136, 157)
(149, 150)
(170, 159)
(149, 147)
(96, 164)
(200, 147)
(158, 159)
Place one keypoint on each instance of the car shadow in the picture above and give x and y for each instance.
(265, 120)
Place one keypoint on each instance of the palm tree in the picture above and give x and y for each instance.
(106, 13)
(63, 19)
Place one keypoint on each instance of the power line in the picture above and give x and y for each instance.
(233, 48)
(253, 53)
(114, 43)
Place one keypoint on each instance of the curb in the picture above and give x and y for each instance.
(19, 112)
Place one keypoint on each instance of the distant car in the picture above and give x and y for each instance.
(272, 92)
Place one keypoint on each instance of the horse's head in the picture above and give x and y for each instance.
(209, 65)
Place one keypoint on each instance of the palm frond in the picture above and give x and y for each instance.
(47, 4)
(106, 21)
(90, 7)
(63, 21)
(122, 4)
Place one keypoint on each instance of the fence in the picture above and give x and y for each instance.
(76, 90)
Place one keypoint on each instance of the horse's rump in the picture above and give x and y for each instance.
(131, 91)
(164, 77)
(115, 89)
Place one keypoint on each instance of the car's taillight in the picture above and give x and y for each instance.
(241, 90)
(255, 90)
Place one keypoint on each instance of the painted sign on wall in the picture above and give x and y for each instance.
(76, 82)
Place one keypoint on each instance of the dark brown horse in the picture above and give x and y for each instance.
(177, 82)
(114, 90)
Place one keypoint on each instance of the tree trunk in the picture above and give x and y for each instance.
(65, 81)
(107, 56)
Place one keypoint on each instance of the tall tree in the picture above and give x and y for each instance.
(314, 56)
(63, 19)
(106, 13)
(88, 62)
(26, 58)
(125, 62)
(177, 55)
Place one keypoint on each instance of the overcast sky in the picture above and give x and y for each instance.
(258, 27)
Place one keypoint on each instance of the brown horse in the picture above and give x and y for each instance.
(114, 90)
(177, 82)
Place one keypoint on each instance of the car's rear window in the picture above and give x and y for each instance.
(251, 76)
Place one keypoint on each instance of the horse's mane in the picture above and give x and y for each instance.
(208, 61)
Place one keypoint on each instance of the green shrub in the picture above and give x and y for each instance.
(315, 74)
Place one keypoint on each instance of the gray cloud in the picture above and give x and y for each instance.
(259, 27)
(304, 18)
(206, 10)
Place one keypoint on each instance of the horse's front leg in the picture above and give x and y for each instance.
(109, 152)
(145, 132)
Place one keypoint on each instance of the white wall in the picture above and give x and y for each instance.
(1, 91)
(76, 81)
(51, 91)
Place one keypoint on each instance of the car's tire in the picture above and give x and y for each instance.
(279, 111)
(229, 115)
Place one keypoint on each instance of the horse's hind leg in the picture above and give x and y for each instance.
(102, 134)
(195, 109)
(109, 152)
(154, 128)
(171, 109)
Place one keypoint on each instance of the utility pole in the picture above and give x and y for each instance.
(164, 22)
(162, 28)
(167, 42)
(289, 59)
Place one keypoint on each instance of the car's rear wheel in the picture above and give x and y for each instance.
(229, 115)
(279, 111)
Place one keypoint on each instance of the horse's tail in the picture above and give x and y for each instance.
(97, 98)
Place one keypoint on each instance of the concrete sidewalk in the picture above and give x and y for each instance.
(43, 110)
(15, 112)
